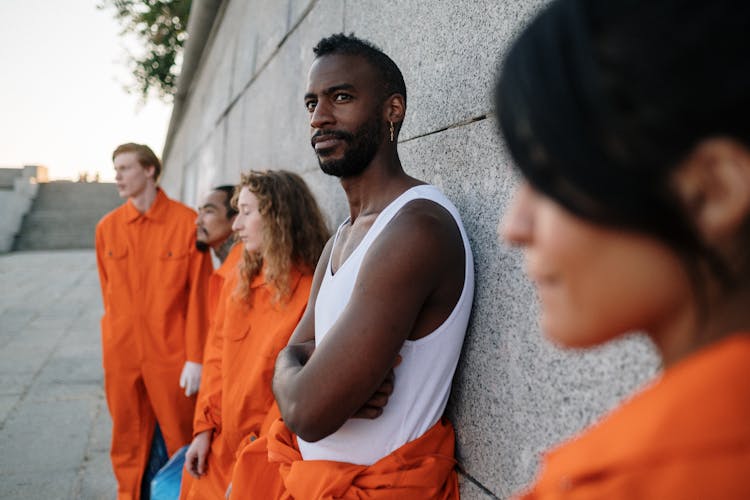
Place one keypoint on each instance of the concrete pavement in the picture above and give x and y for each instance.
(54, 425)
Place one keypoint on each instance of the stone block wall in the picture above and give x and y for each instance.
(514, 393)
(18, 187)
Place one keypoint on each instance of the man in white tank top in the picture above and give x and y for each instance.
(365, 379)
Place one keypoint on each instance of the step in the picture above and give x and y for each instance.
(64, 215)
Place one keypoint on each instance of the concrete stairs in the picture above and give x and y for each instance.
(64, 215)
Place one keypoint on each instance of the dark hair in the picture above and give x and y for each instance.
(146, 156)
(350, 45)
(228, 194)
(599, 102)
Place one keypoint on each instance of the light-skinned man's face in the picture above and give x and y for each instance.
(131, 177)
(212, 227)
(345, 108)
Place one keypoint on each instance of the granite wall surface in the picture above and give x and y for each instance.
(18, 187)
(514, 393)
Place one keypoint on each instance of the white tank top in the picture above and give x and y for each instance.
(423, 379)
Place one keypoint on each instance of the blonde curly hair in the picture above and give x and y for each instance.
(294, 231)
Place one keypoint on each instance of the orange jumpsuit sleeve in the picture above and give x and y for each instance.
(99, 246)
(272, 467)
(208, 406)
(196, 325)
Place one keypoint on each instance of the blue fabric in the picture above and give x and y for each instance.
(166, 483)
(156, 460)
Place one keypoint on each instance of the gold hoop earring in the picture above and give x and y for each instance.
(391, 126)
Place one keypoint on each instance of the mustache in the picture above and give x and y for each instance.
(337, 134)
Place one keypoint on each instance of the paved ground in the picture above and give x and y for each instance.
(54, 425)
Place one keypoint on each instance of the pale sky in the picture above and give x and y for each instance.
(62, 97)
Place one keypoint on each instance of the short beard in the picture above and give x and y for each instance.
(361, 149)
(202, 246)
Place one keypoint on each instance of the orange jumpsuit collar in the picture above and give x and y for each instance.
(156, 212)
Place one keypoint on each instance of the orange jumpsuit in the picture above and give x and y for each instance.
(211, 380)
(246, 338)
(686, 436)
(217, 279)
(272, 468)
(152, 280)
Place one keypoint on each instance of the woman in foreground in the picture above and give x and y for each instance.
(630, 123)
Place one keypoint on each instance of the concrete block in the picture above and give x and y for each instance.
(8, 176)
(17, 361)
(206, 160)
(26, 187)
(64, 380)
(14, 317)
(46, 437)
(54, 427)
(448, 52)
(244, 15)
(14, 205)
(213, 86)
(9, 390)
(330, 197)
(209, 162)
(282, 140)
(64, 215)
(47, 484)
(101, 431)
(54, 326)
(13, 384)
(38, 172)
(189, 185)
(96, 480)
(470, 490)
(235, 134)
(257, 39)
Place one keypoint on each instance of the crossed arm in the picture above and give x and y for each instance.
(407, 285)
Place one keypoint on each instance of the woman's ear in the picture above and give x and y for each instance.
(714, 184)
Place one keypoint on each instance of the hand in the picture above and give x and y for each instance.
(373, 408)
(195, 456)
(190, 379)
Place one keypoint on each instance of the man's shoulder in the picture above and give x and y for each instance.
(428, 238)
(425, 201)
(425, 217)
(112, 217)
(179, 209)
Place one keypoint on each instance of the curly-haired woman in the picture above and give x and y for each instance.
(283, 233)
